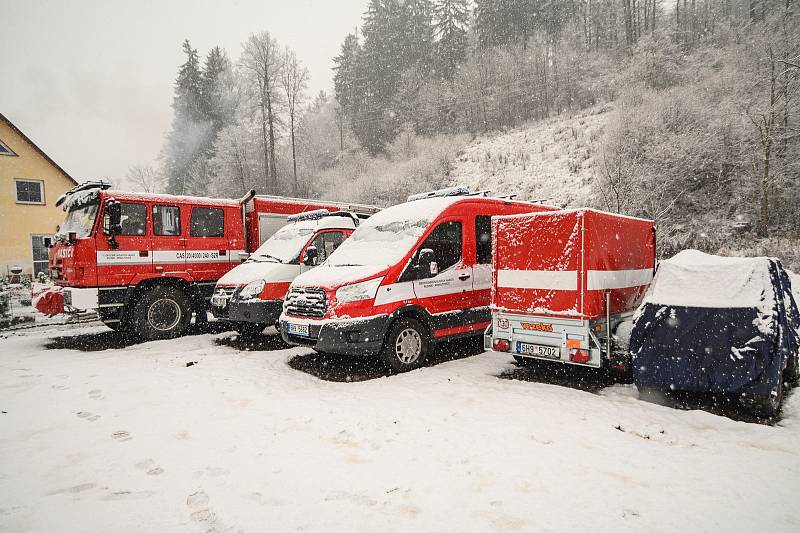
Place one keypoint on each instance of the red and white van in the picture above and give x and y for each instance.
(412, 274)
(251, 295)
(146, 262)
(563, 281)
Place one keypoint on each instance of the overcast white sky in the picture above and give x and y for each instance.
(91, 81)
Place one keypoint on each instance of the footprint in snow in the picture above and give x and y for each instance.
(121, 436)
(73, 490)
(197, 503)
(96, 394)
(150, 467)
(88, 416)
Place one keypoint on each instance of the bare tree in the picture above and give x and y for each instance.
(262, 62)
(294, 80)
(144, 178)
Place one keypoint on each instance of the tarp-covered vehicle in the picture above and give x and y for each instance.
(718, 325)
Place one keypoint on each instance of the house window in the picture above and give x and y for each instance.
(207, 222)
(39, 251)
(5, 150)
(30, 192)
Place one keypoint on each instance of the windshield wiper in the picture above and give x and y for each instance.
(266, 256)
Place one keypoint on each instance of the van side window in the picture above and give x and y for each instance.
(483, 239)
(326, 243)
(133, 219)
(445, 241)
(207, 222)
(167, 220)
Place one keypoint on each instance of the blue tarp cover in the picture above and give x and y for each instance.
(717, 349)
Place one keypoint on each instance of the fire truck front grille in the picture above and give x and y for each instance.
(306, 301)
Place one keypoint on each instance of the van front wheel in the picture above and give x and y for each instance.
(407, 345)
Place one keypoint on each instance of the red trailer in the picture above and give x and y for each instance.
(563, 281)
(146, 262)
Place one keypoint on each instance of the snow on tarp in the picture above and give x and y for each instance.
(716, 324)
(563, 262)
(695, 279)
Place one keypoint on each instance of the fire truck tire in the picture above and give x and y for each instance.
(407, 345)
(161, 313)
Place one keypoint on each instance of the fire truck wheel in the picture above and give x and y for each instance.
(161, 313)
(407, 345)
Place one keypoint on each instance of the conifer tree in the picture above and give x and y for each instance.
(450, 28)
(187, 135)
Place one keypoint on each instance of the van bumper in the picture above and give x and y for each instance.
(257, 311)
(358, 337)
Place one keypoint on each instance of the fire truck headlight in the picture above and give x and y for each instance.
(252, 289)
(357, 292)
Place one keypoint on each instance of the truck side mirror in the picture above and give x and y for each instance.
(311, 256)
(114, 217)
(426, 264)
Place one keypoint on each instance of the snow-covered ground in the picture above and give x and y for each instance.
(195, 434)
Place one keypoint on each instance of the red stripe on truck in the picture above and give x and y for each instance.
(457, 330)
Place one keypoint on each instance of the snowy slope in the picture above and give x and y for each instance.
(548, 160)
(132, 439)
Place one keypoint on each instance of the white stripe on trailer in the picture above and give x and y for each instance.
(564, 280)
(618, 279)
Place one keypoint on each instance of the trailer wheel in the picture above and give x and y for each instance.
(161, 313)
(406, 346)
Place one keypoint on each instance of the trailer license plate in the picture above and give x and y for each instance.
(550, 352)
(297, 329)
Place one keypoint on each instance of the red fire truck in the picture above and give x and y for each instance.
(563, 281)
(413, 274)
(146, 262)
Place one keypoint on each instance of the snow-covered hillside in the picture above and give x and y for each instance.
(551, 160)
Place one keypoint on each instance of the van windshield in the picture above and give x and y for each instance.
(80, 221)
(284, 246)
(379, 241)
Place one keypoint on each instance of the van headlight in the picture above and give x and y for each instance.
(252, 289)
(357, 292)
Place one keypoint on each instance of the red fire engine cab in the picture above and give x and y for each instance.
(146, 262)
(563, 281)
(410, 275)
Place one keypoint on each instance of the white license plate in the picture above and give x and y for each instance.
(550, 352)
(297, 329)
(219, 301)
